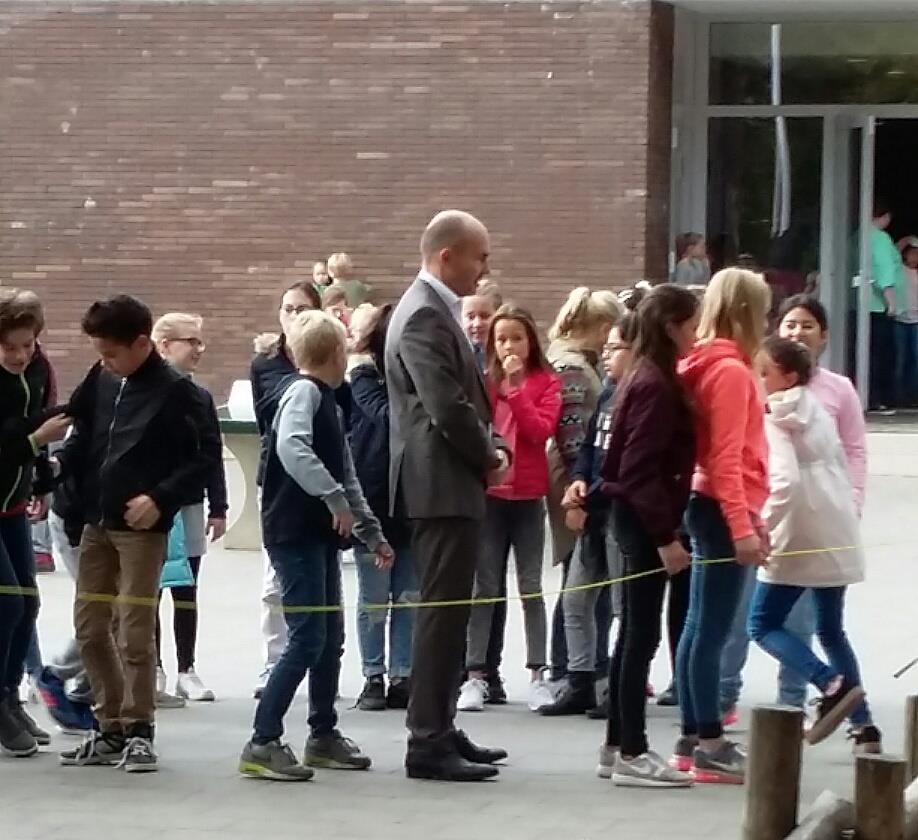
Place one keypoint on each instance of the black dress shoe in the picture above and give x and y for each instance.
(470, 751)
(450, 767)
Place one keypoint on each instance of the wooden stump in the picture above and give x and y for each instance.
(773, 773)
(826, 820)
(911, 811)
(911, 739)
(879, 800)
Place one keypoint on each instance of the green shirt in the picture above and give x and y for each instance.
(886, 268)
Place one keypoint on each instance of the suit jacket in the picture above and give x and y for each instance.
(440, 439)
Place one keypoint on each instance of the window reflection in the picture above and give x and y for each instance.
(841, 62)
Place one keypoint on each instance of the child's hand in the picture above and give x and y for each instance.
(52, 430)
(343, 523)
(674, 557)
(37, 509)
(575, 519)
(514, 370)
(385, 556)
(216, 528)
(575, 495)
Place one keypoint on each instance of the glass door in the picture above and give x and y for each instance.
(845, 258)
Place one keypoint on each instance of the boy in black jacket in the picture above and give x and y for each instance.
(141, 446)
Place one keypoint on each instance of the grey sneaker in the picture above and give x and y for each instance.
(607, 757)
(15, 738)
(648, 770)
(725, 766)
(138, 756)
(335, 752)
(26, 721)
(274, 761)
(684, 753)
(96, 749)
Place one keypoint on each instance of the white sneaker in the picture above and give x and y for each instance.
(189, 686)
(648, 770)
(165, 700)
(472, 696)
(539, 695)
(607, 758)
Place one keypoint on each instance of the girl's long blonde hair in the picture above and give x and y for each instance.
(735, 306)
(583, 310)
(175, 325)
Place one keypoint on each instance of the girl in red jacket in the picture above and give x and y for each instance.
(526, 399)
(729, 490)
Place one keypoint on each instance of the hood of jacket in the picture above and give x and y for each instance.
(792, 409)
(708, 355)
(566, 351)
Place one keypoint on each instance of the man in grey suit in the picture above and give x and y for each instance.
(442, 457)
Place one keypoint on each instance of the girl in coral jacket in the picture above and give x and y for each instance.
(526, 398)
(729, 489)
(811, 506)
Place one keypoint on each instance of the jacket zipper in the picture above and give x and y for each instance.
(108, 448)
(25, 413)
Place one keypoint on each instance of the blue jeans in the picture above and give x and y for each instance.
(906, 362)
(771, 604)
(716, 591)
(791, 686)
(310, 575)
(397, 585)
(18, 610)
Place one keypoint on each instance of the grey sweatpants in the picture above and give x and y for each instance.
(520, 525)
(67, 666)
(596, 558)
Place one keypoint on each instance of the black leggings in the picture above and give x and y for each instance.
(184, 620)
(638, 635)
(676, 611)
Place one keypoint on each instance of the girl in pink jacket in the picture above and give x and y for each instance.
(526, 399)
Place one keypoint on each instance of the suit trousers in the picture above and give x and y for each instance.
(445, 551)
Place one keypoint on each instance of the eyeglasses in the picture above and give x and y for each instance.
(192, 341)
(290, 309)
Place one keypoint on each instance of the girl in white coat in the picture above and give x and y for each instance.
(813, 525)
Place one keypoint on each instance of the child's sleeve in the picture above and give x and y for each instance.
(366, 526)
(294, 424)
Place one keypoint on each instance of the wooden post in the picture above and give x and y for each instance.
(829, 816)
(773, 773)
(911, 811)
(911, 739)
(879, 782)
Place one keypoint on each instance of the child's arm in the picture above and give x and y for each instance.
(294, 425)
(366, 526)
(536, 419)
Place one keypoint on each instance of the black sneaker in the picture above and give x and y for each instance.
(138, 756)
(670, 697)
(333, 751)
(96, 749)
(497, 694)
(399, 693)
(25, 720)
(15, 740)
(832, 709)
(868, 740)
(373, 696)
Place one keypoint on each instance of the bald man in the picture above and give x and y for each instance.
(443, 454)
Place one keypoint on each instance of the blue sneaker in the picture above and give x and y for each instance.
(71, 718)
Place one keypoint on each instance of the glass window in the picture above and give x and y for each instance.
(764, 187)
(830, 62)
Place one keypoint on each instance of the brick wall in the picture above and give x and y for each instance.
(203, 156)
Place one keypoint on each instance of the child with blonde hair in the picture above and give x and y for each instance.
(577, 338)
(179, 339)
(341, 273)
(724, 514)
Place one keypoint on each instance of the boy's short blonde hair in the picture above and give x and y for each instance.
(735, 306)
(174, 325)
(340, 266)
(314, 337)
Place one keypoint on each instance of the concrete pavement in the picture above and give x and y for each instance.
(547, 790)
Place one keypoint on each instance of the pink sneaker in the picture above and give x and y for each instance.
(730, 718)
(683, 753)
